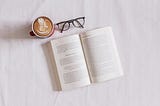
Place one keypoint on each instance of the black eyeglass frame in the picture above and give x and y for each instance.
(71, 21)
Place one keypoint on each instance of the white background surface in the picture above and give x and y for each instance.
(26, 77)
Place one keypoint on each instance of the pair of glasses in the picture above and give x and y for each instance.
(65, 25)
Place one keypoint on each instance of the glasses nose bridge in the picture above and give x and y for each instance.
(70, 21)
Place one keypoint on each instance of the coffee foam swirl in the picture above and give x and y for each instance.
(42, 26)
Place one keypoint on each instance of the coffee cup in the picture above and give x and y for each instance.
(42, 27)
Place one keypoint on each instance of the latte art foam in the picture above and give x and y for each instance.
(43, 26)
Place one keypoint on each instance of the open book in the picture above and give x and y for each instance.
(86, 58)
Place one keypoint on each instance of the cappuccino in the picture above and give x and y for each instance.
(42, 27)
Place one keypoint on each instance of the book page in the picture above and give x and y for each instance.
(101, 54)
(70, 62)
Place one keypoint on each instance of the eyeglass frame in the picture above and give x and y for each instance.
(71, 21)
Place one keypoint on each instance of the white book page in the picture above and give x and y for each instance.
(101, 54)
(70, 62)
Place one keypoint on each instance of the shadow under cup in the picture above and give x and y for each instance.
(42, 27)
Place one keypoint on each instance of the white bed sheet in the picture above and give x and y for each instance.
(25, 74)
